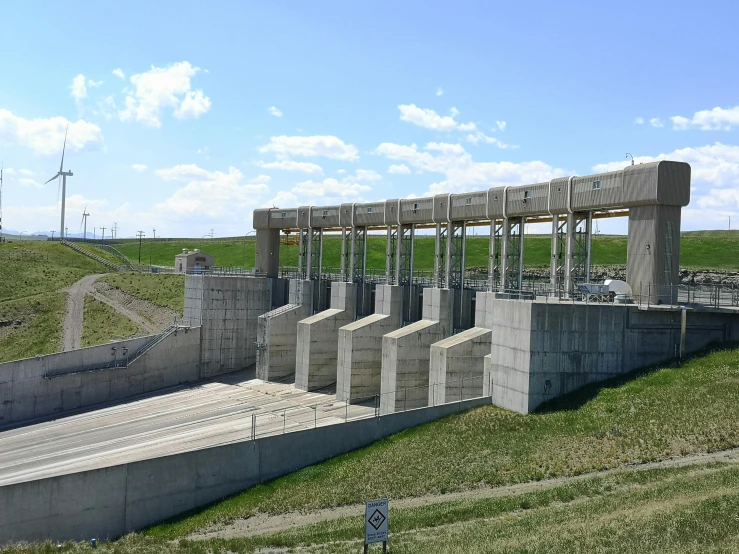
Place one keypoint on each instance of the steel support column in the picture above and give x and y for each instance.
(345, 250)
(496, 238)
(390, 254)
(303, 242)
(577, 268)
(315, 255)
(440, 260)
(559, 254)
(512, 263)
(358, 265)
(404, 270)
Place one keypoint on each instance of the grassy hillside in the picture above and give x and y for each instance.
(699, 250)
(102, 323)
(32, 274)
(160, 289)
(638, 418)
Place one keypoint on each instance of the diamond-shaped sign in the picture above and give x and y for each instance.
(376, 520)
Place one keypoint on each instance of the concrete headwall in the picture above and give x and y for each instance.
(318, 340)
(359, 363)
(227, 310)
(457, 366)
(26, 391)
(109, 502)
(543, 350)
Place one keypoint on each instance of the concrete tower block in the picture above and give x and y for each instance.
(277, 333)
(318, 340)
(404, 383)
(457, 366)
(360, 347)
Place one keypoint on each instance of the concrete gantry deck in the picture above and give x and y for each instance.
(209, 414)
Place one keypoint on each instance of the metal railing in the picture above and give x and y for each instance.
(329, 412)
(722, 295)
(127, 359)
(89, 254)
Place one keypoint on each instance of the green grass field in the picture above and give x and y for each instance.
(102, 323)
(638, 418)
(160, 289)
(699, 250)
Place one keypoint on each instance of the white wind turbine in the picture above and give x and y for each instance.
(85, 215)
(63, 174)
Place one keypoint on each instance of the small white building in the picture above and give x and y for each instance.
(192, 261)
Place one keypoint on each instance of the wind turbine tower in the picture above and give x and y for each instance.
(63, 174)
(1, 203)
(85, 215)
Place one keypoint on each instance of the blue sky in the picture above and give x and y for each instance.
(185, 116)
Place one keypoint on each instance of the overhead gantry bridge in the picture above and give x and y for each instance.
(650, 195)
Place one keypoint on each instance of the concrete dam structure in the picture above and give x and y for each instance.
(273, 371)
(523, 343)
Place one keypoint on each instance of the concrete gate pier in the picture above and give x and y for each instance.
(277, 333)
(317, 340)
(360, 346)
(406, 353)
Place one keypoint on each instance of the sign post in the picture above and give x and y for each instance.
(375, 523)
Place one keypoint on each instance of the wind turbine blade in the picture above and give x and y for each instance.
(61, 167)
(50, 180)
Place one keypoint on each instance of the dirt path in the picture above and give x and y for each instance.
(72, 326)
(149, 318)
(262, 523)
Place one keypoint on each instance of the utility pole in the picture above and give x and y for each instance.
(114, 231)
(103, 235)
(140, 234)
(52, 236)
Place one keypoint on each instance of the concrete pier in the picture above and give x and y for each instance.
(277, 333)
(457, 366)
(317, 340)
(406, 354)
(360, 347)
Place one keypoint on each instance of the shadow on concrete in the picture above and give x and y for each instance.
(576, 399)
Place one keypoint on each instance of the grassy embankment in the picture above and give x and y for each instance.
(102, 323)
(33, 272)
(698, 250)
(163, 290)
(647, 416)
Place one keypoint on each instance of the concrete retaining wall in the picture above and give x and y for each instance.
(227, 309)
(541, 351)
(318, 340)
(26, 394)
(109, 502)
(359, 365)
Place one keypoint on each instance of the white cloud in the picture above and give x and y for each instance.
(461, 172)
(119, 73)
(29, 182)
(94, 84)
(78, 88)
(283, 199)
(329, 190)
(290, 165)
(479, 136)
(639, 121)
(46, 136)
(326, 146)
(139, 167)
(398, 169)
(274, 111)
(656, 122)
(709, 120)
(263, 179)
(164, 87)
(501, 125)
(427, 118)
(367, 175)
(439, 91)
(208, 194)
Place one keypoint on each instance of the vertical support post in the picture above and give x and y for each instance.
(343, 255)
(683, 332)
(521, 243)
(554, 262)
(438, 257)
(588, 246)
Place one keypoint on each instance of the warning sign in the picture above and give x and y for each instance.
(375, 520)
